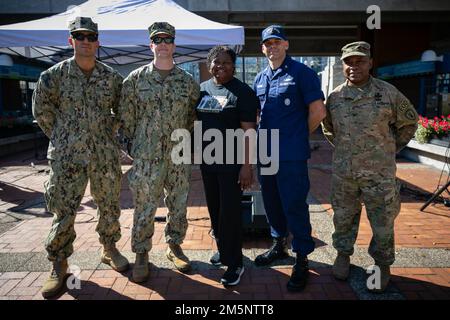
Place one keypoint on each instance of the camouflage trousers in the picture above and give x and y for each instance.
(148, 180)
(63, 194)
(382, 201)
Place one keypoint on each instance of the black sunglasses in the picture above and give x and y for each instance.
(158, 40)
(81, 37)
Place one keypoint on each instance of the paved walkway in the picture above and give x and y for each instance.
(421, 270)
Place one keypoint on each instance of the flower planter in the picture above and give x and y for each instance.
(433, 131)
(443, 142)
(427, 153)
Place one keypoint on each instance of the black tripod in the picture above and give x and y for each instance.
(438, 192)
(435, 195)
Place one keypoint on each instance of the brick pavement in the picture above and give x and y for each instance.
(21, 189)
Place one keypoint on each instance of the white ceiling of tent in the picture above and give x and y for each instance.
(123, 32)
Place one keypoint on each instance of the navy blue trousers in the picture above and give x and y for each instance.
(284, 195)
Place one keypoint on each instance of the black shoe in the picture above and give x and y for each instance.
(215, 259)
(300, 273)
(278, 250)
(232, 276)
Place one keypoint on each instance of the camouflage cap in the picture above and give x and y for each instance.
(358, 48)
(273, 32)
(161, 28)
(83, 24)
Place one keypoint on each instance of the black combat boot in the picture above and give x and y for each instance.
(299, 275)
(278, 250)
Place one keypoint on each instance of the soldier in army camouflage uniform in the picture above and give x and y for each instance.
(368, 121)
(74, 104)
(157, 99)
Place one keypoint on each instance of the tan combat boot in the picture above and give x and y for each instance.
(140, 270)
(175, 254)
(55, 282)
(385, 277)
(112, 256)
(341, 266)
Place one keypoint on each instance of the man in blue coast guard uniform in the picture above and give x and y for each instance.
(292, 102)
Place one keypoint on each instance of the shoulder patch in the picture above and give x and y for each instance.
(409, 114)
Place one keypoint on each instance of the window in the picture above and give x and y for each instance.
(249, 67)
(192, 68)
(442, 89)
(11, 96)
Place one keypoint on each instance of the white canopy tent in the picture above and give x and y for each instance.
(123, 32)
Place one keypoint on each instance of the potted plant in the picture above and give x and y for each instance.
(432, 128)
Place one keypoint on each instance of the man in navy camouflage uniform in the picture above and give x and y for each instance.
(157, 99)
(75, 103)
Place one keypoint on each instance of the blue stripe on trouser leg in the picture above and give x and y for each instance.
(272, 205)
(285, 196)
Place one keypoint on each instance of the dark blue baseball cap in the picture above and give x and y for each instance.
(273, 32)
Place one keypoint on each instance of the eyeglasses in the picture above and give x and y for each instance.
(158, 40)
(81, 37)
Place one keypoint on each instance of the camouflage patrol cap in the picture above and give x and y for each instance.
(83, 24)
(161, 28)
(358, 48)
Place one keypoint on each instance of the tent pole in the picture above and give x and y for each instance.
(243, 69)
